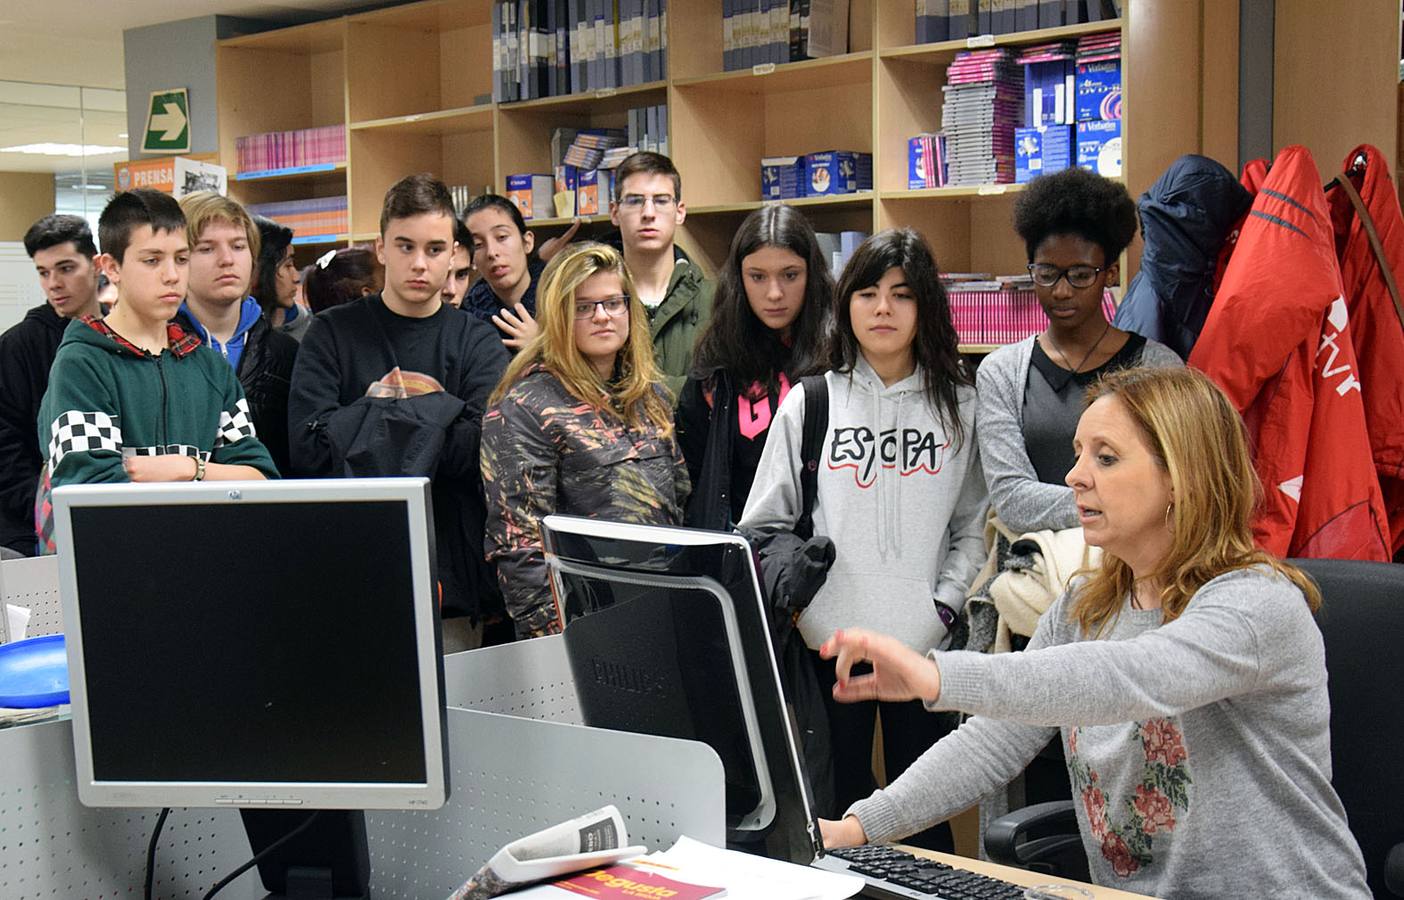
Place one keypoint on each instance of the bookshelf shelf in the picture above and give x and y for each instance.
(319, 240)
(303, 40)
(942, 52)
(564, 221)
(442, 122)
(294, 173)
(436, 115)
(833, 71)
(810, 204)
(603, 100)
(964, 192)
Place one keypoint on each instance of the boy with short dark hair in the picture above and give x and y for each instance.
(224, 242)
(460, 268)
(134, 397)
(648, 208)
(62, 250)
(395, 383)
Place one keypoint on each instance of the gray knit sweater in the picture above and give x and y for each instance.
(1199, 751)
(1022, 501)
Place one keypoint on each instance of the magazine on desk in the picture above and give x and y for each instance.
(595, 839)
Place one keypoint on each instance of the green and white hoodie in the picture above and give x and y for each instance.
(108, 398)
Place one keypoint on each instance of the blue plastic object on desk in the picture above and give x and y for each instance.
(34, 672)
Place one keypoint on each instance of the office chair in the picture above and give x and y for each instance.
(1362, 625)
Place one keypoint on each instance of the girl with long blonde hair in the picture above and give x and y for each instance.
(580, 424)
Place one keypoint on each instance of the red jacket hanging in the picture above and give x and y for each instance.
(1375, 327)
(1278, 342)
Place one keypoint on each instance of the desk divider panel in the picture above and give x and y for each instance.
(510, 776)
(33, 584)
(513, 776)
(531, 679)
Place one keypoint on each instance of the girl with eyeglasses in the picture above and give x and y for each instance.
(766, 332)
(899, 491)
(580, 424)
(1074, 224)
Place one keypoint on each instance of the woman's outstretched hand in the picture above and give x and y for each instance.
(899, 673)
(846, 832)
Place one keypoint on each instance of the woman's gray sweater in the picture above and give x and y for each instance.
(1199, 750)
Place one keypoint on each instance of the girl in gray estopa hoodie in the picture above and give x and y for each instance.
(900, 490)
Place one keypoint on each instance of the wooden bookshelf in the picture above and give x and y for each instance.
(437, 115)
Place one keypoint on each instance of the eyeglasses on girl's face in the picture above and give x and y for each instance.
(613, 306)
(1047, 275)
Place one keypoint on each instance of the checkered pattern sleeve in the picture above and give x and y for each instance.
(80, 426)
(236, 442)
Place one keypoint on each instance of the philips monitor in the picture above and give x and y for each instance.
(667, 633)
(262, 645)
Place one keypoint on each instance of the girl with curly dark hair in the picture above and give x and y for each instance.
(1075, 225)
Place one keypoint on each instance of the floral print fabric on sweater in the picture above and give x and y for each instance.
(1135, 819)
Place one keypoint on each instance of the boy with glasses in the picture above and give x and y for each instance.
(648, 208)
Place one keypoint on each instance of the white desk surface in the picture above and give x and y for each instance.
(1022, 876)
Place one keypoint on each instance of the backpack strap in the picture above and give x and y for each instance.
(816, 425)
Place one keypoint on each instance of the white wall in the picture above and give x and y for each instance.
(19, 286)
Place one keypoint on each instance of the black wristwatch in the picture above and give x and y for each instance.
(945, 614)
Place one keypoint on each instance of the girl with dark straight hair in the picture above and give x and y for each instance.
(900, 492)
(767, 330)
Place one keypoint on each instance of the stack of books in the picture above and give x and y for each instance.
(313, 220)
(275, 150)
(756, 32)
(838, 247)
(955, 20)
(984, 93)
(1000, 310)
(1098, 103)
(549, 48)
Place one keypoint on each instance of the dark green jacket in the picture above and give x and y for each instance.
(678, 320)
(108, 399)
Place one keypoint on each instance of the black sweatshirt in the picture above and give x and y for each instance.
(26, 353)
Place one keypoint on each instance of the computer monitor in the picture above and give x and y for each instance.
(667, 633)
(260, 645)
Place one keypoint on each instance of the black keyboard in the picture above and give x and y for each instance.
(894, 874)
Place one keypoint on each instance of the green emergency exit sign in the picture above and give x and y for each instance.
(167, 122)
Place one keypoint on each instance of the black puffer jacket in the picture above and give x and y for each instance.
(26, 352)
(1185, 218)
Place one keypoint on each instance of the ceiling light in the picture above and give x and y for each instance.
(64, 149)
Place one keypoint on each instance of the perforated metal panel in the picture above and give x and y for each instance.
(530, 679)
(510, 777)
(513, 776)
(51, 846)
(33, 584)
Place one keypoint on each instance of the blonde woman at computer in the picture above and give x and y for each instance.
(1185, 675)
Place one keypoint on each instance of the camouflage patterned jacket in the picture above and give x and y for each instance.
(543, 452)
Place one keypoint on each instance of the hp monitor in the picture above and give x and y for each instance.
(261, 645)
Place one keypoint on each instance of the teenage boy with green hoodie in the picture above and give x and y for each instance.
(134, 397)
